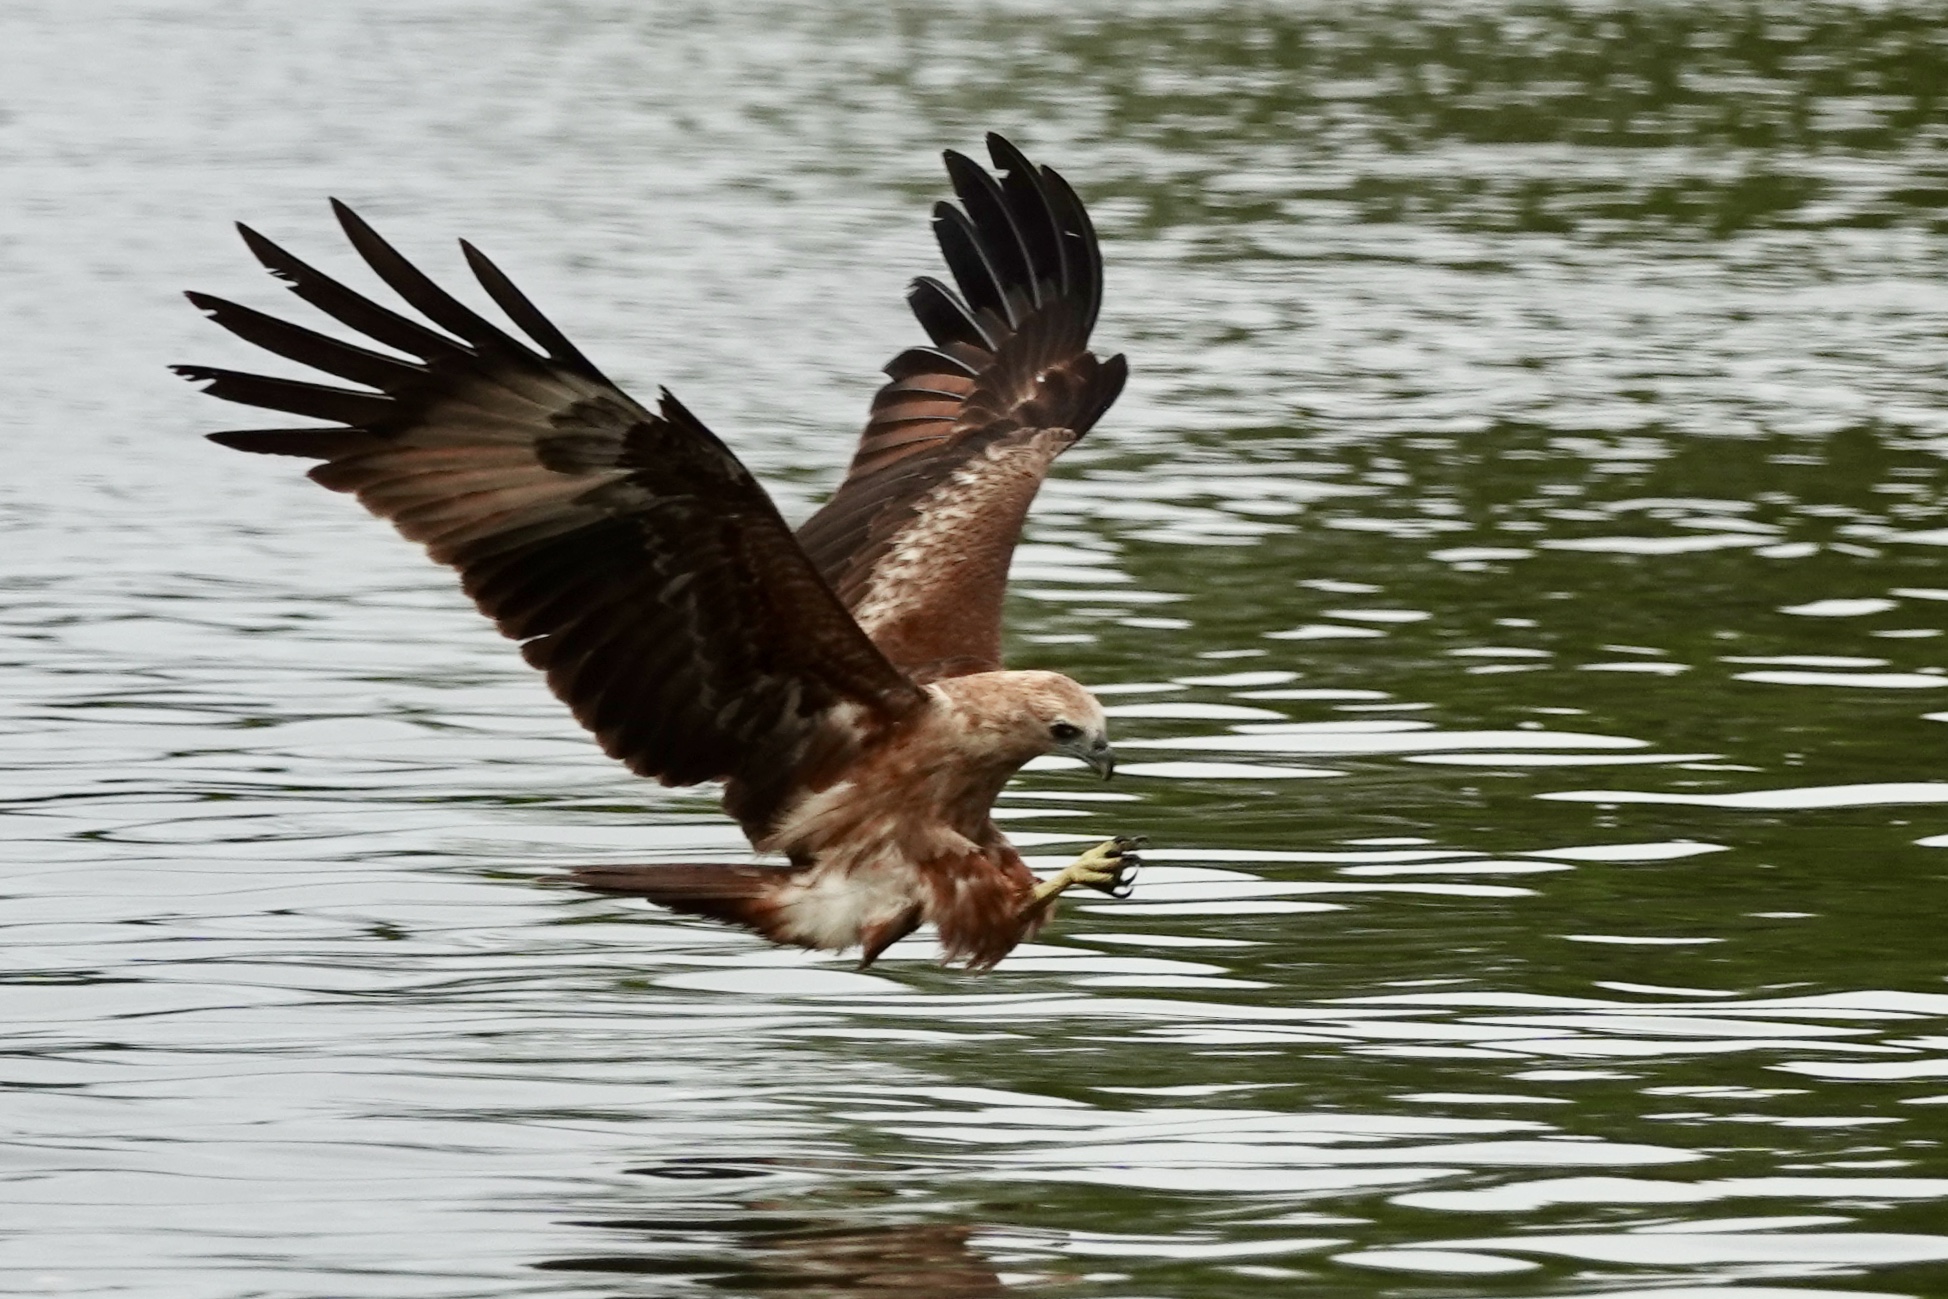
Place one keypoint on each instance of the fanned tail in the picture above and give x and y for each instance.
(739, 895)
(754, 897)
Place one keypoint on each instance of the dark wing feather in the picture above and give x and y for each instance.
(917, 539)
(643, 568)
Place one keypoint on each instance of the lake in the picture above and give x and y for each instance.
(1515, 574)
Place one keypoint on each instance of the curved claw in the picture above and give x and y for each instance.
(1122, 881)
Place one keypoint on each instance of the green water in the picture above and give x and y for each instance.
(1515, 573)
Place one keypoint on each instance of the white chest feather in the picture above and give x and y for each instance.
(834, 909)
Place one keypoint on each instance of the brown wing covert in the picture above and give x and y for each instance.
(917, 539)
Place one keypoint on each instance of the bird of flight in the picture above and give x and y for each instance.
(845, 683)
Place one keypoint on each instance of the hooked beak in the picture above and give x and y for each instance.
(1094, 754)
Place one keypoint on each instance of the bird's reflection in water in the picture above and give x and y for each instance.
(759, 1244)
(804, 1256)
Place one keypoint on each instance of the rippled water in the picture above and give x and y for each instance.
(1516, 572)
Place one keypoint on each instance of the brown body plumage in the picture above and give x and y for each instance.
(845, 684)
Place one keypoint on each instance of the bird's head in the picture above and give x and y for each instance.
(1011, 717)
(1062, 717)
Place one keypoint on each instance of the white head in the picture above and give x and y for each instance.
(1014, 716)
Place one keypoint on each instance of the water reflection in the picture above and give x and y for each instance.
(762, 1246)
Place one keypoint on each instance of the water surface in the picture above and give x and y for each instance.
(1515, 573)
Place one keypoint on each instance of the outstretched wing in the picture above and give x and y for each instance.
(641, 566)
(917, 539)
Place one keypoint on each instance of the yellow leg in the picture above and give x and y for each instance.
(1106, 866)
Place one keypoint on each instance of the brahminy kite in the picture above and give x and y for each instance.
(844, 683)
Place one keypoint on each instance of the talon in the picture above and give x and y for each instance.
(1121, 882)
(1109, 868)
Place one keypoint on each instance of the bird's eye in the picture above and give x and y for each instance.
(1064, 732)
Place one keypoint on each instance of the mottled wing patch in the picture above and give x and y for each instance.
(931, 597)
(1009, 363)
